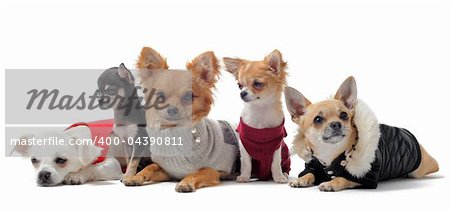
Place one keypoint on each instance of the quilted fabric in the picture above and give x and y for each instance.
(398, 152)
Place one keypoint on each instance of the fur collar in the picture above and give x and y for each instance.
(359, 160)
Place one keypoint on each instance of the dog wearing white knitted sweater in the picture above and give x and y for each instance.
(186, 145)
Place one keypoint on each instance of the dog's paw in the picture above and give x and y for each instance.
(242, 179)
(133, 180)
(280, 178)
(74, 179)
(183, 187)
(330, 186)
(301, 183)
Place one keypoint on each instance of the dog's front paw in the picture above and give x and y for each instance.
(74, 179)
(330, 186)
(280, 178)
(183, 187)
(301, 183)
(133, 180)
(242, 179)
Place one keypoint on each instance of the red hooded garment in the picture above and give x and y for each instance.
(100, 130)
(261, 144)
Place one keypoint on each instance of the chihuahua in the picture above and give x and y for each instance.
(261, 129)
(196, 150)
(117, 90)
(73, 162)
(344, 146)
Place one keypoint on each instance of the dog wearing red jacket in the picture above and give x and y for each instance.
(81, 155)
(261, 129)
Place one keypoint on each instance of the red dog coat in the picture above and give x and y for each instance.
(261, 144)
(100, 130)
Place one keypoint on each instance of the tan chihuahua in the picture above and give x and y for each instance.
(261, 129)
(195, 150)
(344, 146)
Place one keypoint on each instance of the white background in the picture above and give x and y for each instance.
(398, 51)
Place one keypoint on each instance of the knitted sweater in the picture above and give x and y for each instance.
(210, 143)
(261, 144)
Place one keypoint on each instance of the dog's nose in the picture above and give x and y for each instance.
(244, 94)
(102, 100)
(172, 111)
(44, 176)
(336, 125)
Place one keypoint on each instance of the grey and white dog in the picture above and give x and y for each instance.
(117, 90)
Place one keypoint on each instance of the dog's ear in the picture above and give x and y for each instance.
(149, 61)
(295, 101)
(347, 93)
(22, 150)
(233, 65)
(88, 153)
(204, 68)
(125, 74)
(275, 62)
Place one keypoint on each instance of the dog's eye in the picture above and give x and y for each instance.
(343, 116)
(60, 160)
(318, 120)
(110, 91)
(240, 86)
(257, 84)
(188, 97)
(34, 160)
(160, 96)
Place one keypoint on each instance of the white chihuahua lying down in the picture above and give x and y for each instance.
(72, 163)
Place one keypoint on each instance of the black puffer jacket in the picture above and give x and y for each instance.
(398, 154)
